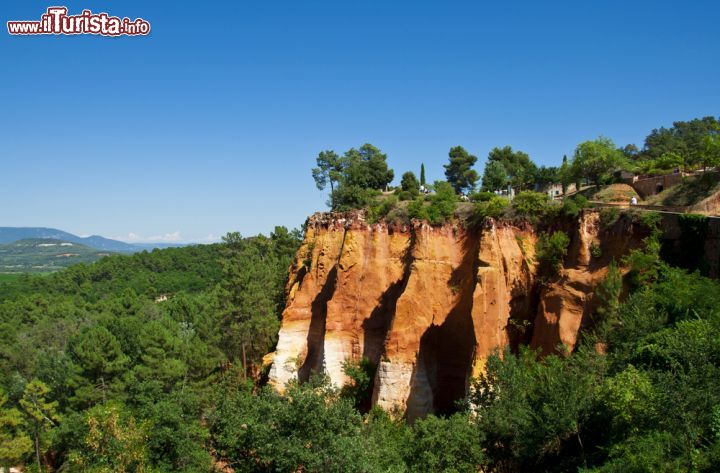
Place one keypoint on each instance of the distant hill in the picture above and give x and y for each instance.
(45, 255)
(11, 234)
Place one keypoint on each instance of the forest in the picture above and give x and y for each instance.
(100, 374)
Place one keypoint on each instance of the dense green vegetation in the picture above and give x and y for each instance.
(99, 373)
(649, 403)
(354, 178)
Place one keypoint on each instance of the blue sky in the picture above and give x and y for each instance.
(212, 122)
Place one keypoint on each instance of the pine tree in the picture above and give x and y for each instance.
(459, 172)
(422, 174)
(14, 444)
(41, 413)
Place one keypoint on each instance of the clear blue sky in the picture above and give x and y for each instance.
(212, 123)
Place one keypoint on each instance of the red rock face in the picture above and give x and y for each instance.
(427, 305)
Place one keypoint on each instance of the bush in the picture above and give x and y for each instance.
(531, 205)
(416, 209)
(359, 389)
(608, 216)
(481, 196)
(572, 205)
(380, 209)
(442, 204)
(348, 197)
(446, 444)
(406, 195)
(550, 252)
(494, 208)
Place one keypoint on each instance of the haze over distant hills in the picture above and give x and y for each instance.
(12, 234)
(31, 255)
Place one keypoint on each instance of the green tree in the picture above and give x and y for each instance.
(14, 443)
(366, 167)
(113, 442)
(311, 428)
(409, 183)
(531, 205)
(364, 173)
(520, 168)
(459, 172)
(710, 153)
(685, 138)
(101, 361)
(535, 414)
(495, 176)
(250, 299)
(550, 252)
(608, 292)
(40, 413)
(328, 171)
(565, 174)
(175, 437)
(452, 444)
(630, 151)
(596, 159)
(669, 161)
(547, 175)
(422, 174)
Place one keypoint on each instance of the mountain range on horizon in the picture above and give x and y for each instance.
(97, 242)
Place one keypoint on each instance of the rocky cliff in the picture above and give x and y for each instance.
(428, 304)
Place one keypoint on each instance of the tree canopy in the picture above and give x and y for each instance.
(495, 177)
(459, 172)
(354, 178)
(595, 160)
(520, 169)
(683, 138)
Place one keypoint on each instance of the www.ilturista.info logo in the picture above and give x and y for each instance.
(57, 21)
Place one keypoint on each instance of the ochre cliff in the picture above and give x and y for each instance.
(428, 304)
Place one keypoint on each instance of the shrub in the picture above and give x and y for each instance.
(531, 205)
(348, 197)
(608, 216)
(442, 204)
(381, 208)
(581, 201)
(405, 195)
(359, 389)
(495, 208)
(550, 252)
(481, 196)
(595, 251)
(416, 209)
(572, 205)
(645, 263)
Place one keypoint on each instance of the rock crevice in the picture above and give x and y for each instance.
(428, 304)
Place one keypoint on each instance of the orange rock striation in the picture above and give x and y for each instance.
(427, 305)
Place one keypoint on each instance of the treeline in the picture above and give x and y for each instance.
(359, 176)
(98, 372)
